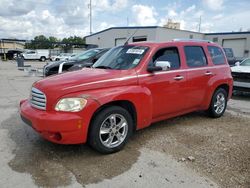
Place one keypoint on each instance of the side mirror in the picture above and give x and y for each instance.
(159, 66)
(154, 68)
(237, 63)
(165, 65)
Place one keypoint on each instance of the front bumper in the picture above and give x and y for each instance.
(58, 127)
(241, 86)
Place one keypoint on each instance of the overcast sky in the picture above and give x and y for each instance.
(24, 19)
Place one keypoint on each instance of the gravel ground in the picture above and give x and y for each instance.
(188, 151)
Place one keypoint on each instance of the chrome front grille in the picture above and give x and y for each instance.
(38, 99)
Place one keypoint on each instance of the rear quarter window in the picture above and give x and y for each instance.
(195, 56)
(217, 55)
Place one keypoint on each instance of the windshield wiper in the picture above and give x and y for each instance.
(103, 67)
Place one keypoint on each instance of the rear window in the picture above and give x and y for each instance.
(195, 56)
(216, 55)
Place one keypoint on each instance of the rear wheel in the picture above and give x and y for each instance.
(218, 103)
(110, 129)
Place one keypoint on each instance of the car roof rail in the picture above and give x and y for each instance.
(192, 40)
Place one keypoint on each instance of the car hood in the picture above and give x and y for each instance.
(57, 63)
(85, 79)
(241, 69)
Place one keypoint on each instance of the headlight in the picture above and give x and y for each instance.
(71, 104)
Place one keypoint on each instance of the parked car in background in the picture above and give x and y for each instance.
(129, 88)
(41, 55)
(62, 57)
(77, 62)
(241, 75)
(230, 56)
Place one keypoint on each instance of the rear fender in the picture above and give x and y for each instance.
(213, 85)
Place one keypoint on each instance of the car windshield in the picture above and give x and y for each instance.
(246, 62)
(86, 55)
(121, 57)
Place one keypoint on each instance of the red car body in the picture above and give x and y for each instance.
(154, 96)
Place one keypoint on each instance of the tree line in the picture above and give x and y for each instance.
(43, 42)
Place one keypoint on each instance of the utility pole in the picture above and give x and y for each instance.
(90, 16)
(200, 25)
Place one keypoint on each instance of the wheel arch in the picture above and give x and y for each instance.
(211, 93)
(126, 104)
(223, 86)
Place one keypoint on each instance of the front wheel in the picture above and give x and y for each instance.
(218, 103)
(110, 129)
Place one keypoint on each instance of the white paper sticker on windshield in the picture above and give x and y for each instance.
(135, 51)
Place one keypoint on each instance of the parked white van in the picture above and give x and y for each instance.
(41, 55)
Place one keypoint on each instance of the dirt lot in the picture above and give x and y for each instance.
(219, 149)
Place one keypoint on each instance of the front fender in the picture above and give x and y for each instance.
(139, 96)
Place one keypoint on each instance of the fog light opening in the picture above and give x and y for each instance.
(57, 136)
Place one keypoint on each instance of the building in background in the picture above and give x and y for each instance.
(238, 41)
(9, 47)
(114, 36)
(11, 44)
(172, 25)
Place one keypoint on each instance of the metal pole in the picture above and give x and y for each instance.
(4, 54)
(200, 25)
(90, 16)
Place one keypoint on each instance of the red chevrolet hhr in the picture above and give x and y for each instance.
(127, 89)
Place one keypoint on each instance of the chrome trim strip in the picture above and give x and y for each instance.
(38, 95)
(38, 103)
(241, 84)
(38, 99)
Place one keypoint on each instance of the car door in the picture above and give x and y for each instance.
(198, 75)
(167, 87)
(31, 54)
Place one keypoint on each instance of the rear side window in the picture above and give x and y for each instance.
(195, 56)
(168, 54)
(216, 55)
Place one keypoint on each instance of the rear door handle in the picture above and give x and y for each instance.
(208, 73)
(178, 78)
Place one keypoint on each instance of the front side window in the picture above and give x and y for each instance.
(216, 55)
(168, 54)
(121, 57)
(195, 56)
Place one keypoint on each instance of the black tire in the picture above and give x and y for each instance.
(213, 111)
(42, 58)
(94, 137)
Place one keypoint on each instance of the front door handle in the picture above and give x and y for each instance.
(208, 73)
(178, 78)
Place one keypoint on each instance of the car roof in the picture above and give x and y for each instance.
(168, 43)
